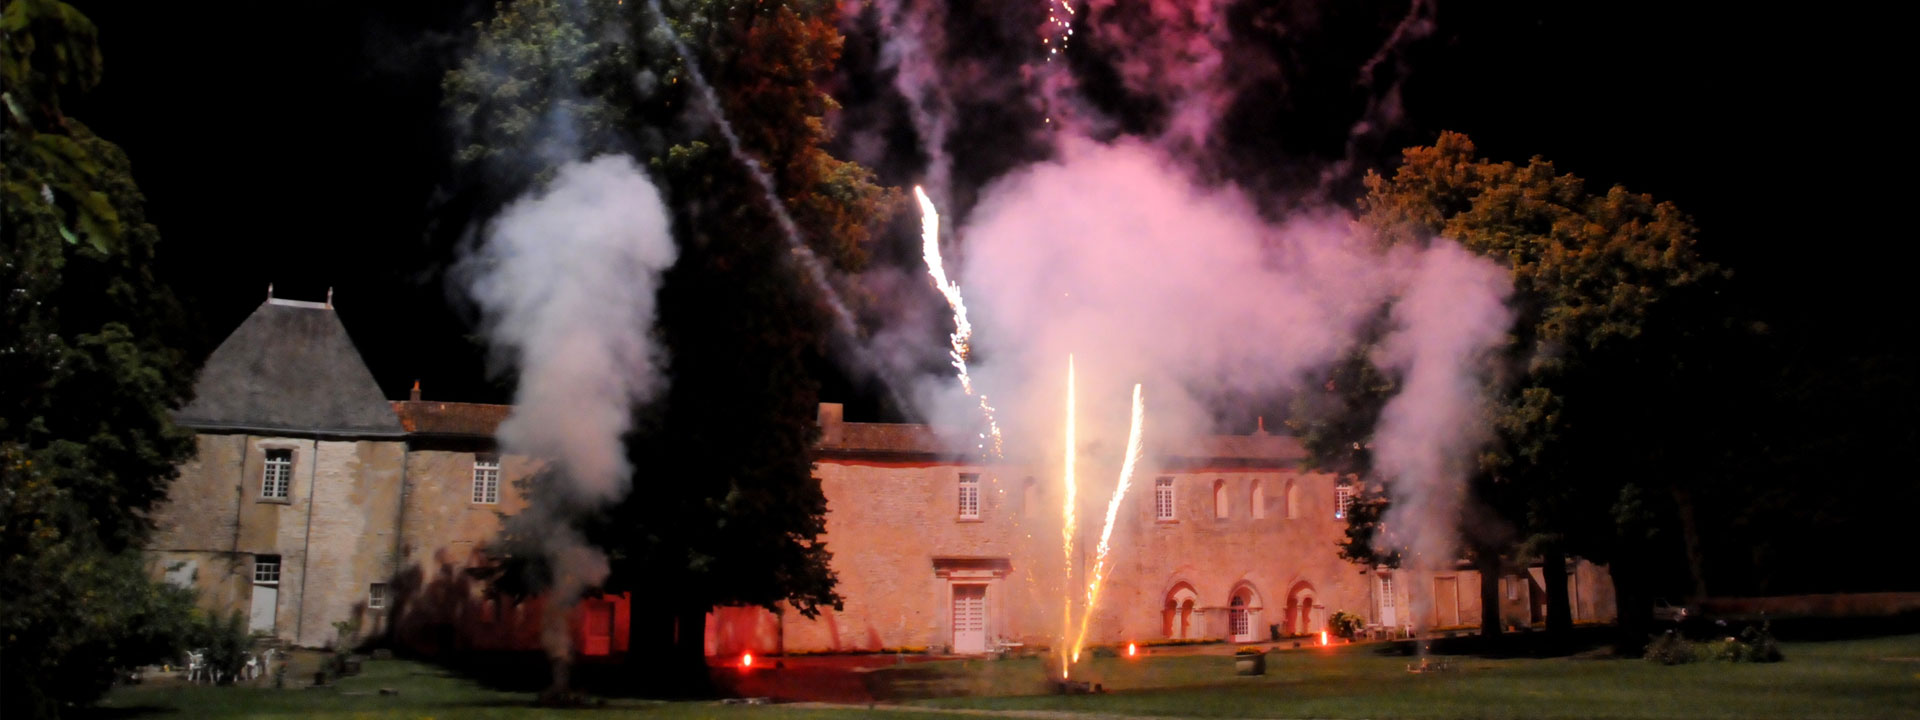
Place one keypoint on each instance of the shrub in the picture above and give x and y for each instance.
(1671, 649)
(1759, 645)
(1345, 624)
(225, 641)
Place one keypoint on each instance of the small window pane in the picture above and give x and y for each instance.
(266, 569)
(1163, 498)
(377, 596)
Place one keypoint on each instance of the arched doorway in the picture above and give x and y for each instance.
(1177, 618)
(1299, 618)
(1243, 614)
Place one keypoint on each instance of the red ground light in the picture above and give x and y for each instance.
(746, 660)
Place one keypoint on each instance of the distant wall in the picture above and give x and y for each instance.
(1827, 605)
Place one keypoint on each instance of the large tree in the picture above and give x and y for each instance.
(88, 376)
(725, 509)
(1612, 303)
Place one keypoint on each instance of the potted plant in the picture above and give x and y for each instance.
(1250, 660)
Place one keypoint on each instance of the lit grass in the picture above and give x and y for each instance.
(1852, 679)
(1875, 678)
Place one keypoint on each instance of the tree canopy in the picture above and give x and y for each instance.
(725, 508)
(1609, 290)
(87, 338)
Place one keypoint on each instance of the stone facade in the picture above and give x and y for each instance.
(1222, 538)
(333, 534)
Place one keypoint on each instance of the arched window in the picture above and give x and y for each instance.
(1300, 617)
(1257, 500)
(1220, 499)
(1293, 500)
(1178, 620)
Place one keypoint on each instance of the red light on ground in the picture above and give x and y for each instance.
(1131, 650)
(746, 660)
(1323, 638)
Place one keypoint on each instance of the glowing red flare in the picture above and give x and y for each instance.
(1323, 637)
(1131, 650)
(746, 660)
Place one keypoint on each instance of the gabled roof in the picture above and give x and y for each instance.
(290, 367)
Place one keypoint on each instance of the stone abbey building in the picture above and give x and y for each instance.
(314, 500)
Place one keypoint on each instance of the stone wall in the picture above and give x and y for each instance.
(893, 526)
(215, 523)
(444, 534)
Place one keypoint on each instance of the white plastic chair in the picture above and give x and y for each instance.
(197, 666)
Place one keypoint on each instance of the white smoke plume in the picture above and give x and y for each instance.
(1114, 253)
(1446, 326)
(566, 280)
(914, 41)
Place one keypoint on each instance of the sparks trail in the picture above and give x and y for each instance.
(1066, 531)
(796, 245)
(1100, 566)
(962, 336)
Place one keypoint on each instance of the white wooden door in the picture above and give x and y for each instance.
(969, 619)
(265, 599)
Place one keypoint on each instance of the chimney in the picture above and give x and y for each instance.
(832, 415)
(415, 395)
(1261, 429)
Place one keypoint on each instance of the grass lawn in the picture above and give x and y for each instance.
(1873, 678)
(425, 691)
(1841, 679)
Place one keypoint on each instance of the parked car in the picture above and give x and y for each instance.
(1667, 612)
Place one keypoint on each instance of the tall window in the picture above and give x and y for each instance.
(278, 476)
(1342, 501)
(376, 596)
(1386, 591)
(1293, 500)
(1220, 499)
(1258, 500)
(486, 479)
(266, 569)
(1163, 498)
(969, 496)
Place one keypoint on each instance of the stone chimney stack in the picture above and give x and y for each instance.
(415, 395)
(832, 417)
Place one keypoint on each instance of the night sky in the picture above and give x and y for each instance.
(304, 145)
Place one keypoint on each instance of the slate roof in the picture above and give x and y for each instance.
(290, 367)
